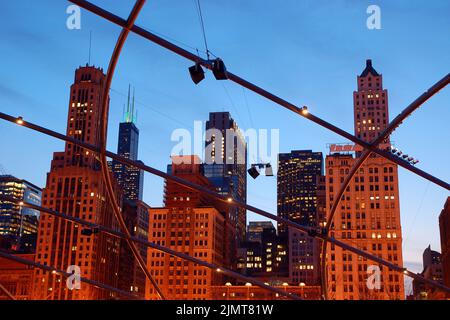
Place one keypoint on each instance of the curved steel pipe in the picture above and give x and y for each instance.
(103, 138)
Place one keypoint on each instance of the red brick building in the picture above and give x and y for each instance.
(368, 216)
(17, 278)
(187, 224)
(74, 186)
(444, 224)
(251, 292)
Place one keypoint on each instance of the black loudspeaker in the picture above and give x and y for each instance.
(219, 69)
(197, 73)
(253, 172)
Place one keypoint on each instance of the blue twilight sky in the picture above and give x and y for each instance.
(308, 52)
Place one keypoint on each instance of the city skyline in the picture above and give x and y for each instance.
(426, 198)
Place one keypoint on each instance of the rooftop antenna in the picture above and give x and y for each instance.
(127, 114)
(90, 46)
(133, 119)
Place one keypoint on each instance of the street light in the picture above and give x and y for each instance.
(305, 110)
(228, 285)
(19, 120)
(248, 285)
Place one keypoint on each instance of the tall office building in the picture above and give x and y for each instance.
(189, 223)
(265, 253)
(444, 225)
(130, 179)
(135, 212)
(226, 165)
(255, 230)
(298, 186)
(368, 215)
(75, 187)
(131, 277)
(19, 225)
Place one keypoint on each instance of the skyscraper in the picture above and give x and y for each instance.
(135, 212)
(188, 223)
(75, 187)
(266, 253)
(368, 215)
(226, 165)
(131, 277)
(19, 225)
(298, 184)
(255, 230)
(130, 179)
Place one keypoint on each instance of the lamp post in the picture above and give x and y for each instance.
(302, 288)
(248, 285)
(228, 285)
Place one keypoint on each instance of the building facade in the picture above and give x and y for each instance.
(188, 224)
(298, 194)
(265, 254)
(75, 187)
(18, 224)
(444, 224)
(255, 230)
(368, 215)
(131, 277)
(251, 292)
(226, 165)
(432, 270)
(17, 278)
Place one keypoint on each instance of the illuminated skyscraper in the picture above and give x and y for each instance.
(226, 165)
(75, 187)
(130, 179)
(368, 215)
(19, 225)
(298, 183)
